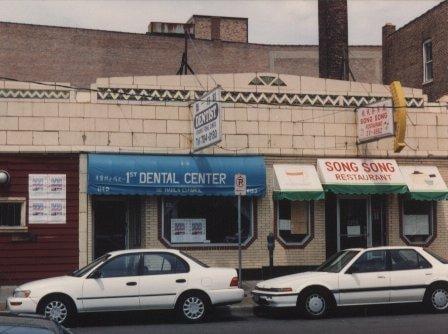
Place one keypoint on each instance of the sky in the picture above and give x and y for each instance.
(272, 22)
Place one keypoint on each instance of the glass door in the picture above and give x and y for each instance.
(354, 225)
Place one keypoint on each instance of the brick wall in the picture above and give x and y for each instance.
(283, 134)
(403, 52)
(79, 56)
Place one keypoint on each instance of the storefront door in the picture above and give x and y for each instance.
(354, 222)
(117, 224)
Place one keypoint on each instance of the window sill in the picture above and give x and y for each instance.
(427, 82)
(13, 229)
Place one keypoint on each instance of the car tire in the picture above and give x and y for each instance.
(193, 307)
(314, 304)
(59, 309)
(436, 298)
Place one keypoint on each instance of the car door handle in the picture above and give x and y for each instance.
(381, 276)
(131, 283)
(428, 274)
(181, 280)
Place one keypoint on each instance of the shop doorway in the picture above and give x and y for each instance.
(354, 225)
(116, 225)
(355, 221)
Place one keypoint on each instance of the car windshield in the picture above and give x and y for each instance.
(81, 272)
(337, 261)
(202, 264)
(436, 256)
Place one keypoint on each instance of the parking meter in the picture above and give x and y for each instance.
(271, 246)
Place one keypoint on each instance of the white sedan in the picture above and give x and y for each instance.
(137, 279)
(361, 277)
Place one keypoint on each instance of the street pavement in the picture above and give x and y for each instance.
(409, 319)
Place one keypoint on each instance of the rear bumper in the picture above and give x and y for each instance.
(21, 305)
(275, 300)
(226, 296)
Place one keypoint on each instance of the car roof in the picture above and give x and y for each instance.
(384, 248)
(30, 321)
(143, 250)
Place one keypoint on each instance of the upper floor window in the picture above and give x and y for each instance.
(427, 61)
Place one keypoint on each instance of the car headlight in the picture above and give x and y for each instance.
(21, 293)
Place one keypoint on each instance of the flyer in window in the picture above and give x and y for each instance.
(188, 230)
(37, 211)
(37, 185)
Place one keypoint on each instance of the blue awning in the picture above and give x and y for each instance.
(173, 175)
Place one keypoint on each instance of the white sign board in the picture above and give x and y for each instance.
(240, 185)
(375, 121)
(297, 177)
(207, 120)
(359, 171)
(47, 198)
(188, 230)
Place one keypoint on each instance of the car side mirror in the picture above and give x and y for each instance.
(95, 274)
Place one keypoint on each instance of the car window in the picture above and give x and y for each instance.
(120, 266)
(370, 261)
(407, 259)
(337, 261)
(163, 263)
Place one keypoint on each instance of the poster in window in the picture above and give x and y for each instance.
(284, 225)
(37, 211)
(56, 211)
(37, 186)
(188, 230)
(47, 198)
(416, 225)
(56, 186)
(299, 217)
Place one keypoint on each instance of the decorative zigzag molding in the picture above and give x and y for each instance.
(6, 93)
(150, 95)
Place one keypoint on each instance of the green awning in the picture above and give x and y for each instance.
(299, 195)
(425, 183)
(297, 183)
(355, 189)
(361, 176)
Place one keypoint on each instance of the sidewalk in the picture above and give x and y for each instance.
(248, 286)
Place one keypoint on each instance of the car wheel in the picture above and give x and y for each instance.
(314, 304)
(437, 298)
(193, 307)
(59, 309)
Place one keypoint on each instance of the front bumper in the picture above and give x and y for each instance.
(275, 300)
(21, 305)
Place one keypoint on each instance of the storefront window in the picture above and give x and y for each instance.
(206, 220)
(418, 221)
(294, 221)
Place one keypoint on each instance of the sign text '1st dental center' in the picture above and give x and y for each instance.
(174, 179)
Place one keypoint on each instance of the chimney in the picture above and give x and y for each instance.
(388, 29)
(333, 39)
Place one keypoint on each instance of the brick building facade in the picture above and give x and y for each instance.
(404, 52)
(79, 56)
(301, 121)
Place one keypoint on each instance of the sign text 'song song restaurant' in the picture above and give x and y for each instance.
(162, 174)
